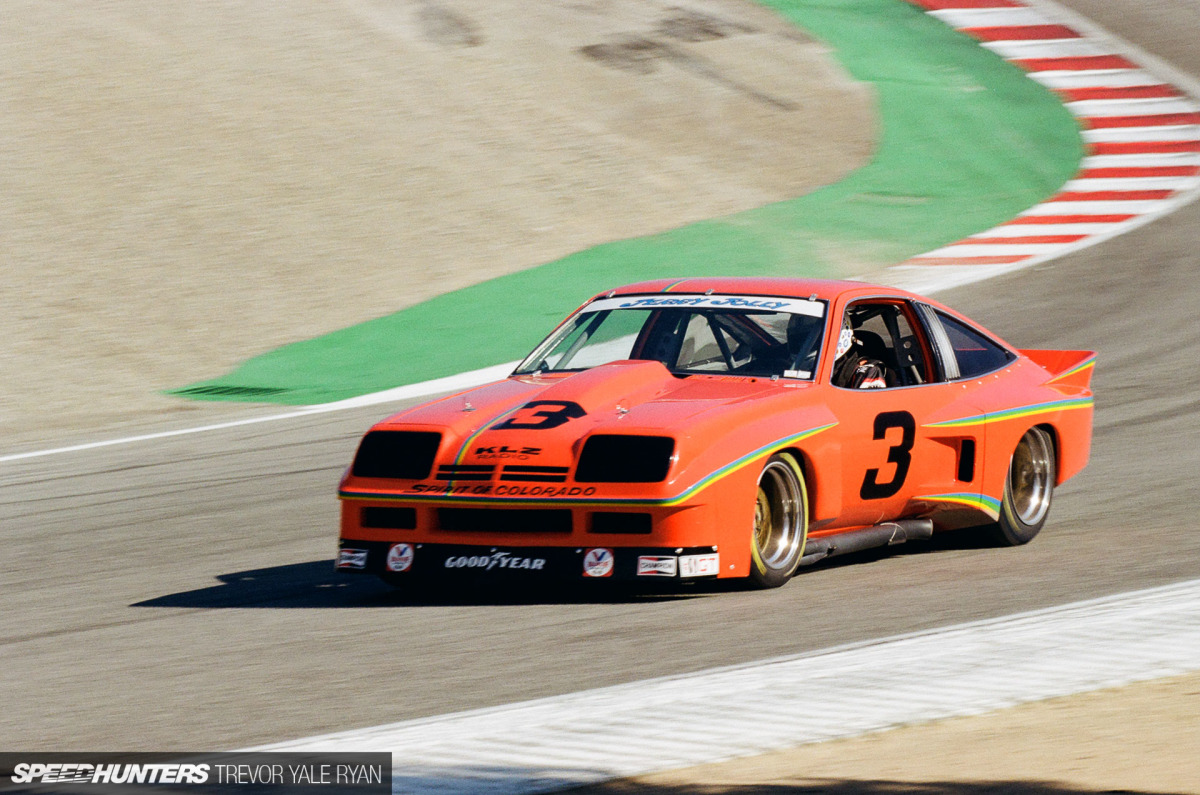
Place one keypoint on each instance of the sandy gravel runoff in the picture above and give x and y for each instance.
(184, 186)
(1143, 738)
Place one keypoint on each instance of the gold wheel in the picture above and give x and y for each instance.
(780, 522)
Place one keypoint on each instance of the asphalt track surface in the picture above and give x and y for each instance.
(178, 594)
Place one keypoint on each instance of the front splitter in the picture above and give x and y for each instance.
(397, 560)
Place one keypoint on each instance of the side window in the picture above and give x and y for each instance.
(976, 354)
(883, 333)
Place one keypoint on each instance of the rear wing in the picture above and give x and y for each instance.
(1066, 368)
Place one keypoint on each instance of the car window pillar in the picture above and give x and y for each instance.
(943, 351)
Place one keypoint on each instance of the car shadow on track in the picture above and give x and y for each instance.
(964, 540)
(316, 584)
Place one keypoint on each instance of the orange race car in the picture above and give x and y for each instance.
(721, 428)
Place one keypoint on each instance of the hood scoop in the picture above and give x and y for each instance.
(627, 382)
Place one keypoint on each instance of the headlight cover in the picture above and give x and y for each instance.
(397, 455)
(611, 458)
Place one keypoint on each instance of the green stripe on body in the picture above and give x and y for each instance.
(1020, 411)
(1079, 368)
(982, 503)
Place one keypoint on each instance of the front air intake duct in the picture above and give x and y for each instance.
(396, 455)
(625, 459)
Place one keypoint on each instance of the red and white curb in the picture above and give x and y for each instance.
(680, 721)
(1140, 124)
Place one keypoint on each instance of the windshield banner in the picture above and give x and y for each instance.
(794, 306)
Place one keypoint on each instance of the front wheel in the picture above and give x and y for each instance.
(1027, 490)
(780, 522)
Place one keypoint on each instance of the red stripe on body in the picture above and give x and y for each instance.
(979, 241)
(1133, 172)
(1110, 195)
(1035, 220)
(1156, 120)
(1022, 32)
(1162, 91)
(1075, 63)
(1143, 147)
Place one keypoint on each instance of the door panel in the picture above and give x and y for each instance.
(893, 451)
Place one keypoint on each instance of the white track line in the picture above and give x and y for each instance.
(1142, 161)
(1100, 108)
(960, 250)
(958, 18)
(1106, 78)
(1187, 133)
(913, 274)
(1051, 48)
(1122, 183)
(1023, 230)
(450, 383)
(1091, 208)
(678, 721)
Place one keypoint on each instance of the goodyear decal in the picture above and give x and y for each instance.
(1012, 414)
(982, 503)
(484, 494)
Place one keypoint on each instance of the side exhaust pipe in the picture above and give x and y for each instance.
(881, 535)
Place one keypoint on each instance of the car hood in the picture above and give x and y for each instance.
(553, 412)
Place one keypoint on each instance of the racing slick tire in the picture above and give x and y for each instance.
(780, 522)
(1027, 490)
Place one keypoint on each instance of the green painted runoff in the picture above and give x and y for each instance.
(967, 142)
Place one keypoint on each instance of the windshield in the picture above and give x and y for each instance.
(738, 335)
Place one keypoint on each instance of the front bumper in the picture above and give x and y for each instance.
(397, 560)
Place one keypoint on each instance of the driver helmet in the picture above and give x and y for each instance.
(845, 340)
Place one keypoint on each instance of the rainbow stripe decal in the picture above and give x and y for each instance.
(1079, 368)
(1012, 414)
(663, 502)
(673, 285)
(982, 503)
(466, 445)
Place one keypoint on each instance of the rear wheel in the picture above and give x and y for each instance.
(1027, 490)
(780, 522)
